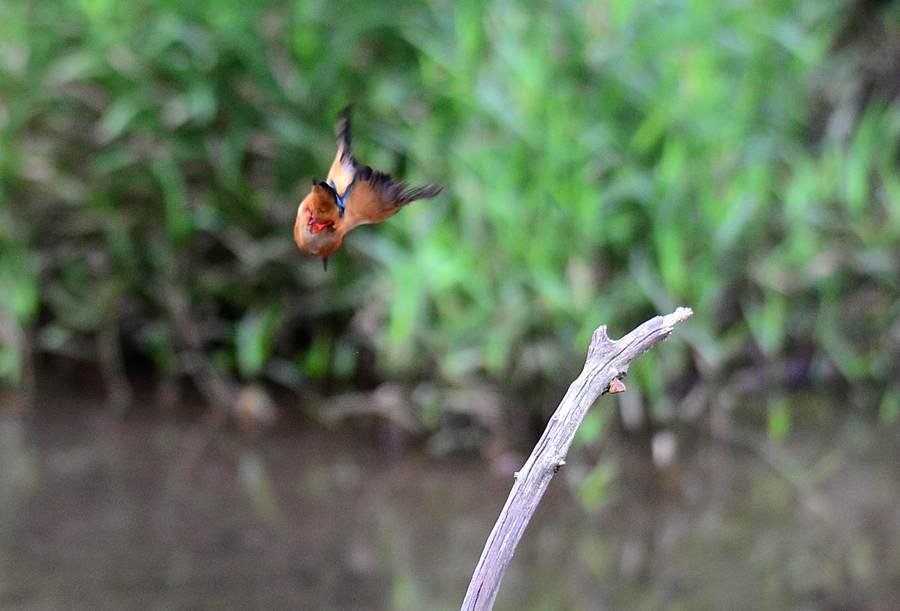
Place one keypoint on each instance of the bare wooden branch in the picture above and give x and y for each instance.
(607, 361)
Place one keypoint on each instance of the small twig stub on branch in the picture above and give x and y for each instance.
(607, 362)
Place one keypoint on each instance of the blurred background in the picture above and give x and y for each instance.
(195, 415)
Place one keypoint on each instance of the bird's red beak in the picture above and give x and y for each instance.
(314, 225)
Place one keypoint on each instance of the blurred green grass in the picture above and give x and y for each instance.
(603, 162)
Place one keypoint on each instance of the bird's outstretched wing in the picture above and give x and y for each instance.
(343, 168)
(375, 197)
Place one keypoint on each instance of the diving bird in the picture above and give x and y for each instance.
(351, 196)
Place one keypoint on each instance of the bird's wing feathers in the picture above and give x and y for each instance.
(343, 168)
(376, 196)
(373, 196)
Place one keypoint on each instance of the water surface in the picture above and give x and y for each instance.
(153, 513)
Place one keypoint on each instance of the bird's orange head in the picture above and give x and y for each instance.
(319, 228)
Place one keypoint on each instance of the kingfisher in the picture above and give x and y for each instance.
(350, 196)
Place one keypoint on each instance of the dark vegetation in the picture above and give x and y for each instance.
(602, 163)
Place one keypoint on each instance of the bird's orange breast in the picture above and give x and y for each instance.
(314, 236)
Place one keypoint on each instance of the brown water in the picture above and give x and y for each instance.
(141, 513)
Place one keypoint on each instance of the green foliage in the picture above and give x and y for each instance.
(890, 406)
(255, 333)
(604, 161)
(595, 490)
(593, 427)
(779, 418)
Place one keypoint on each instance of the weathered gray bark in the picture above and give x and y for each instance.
(606, 362)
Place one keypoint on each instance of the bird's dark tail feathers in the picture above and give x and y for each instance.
(343, 133)
(396, 192)
(426, 191)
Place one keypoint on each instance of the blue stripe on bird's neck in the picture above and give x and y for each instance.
(340, 199)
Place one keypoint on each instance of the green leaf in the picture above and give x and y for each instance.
(315, 363)
(779, 418)
(594, 490)
(889, 412)
(255, 337)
